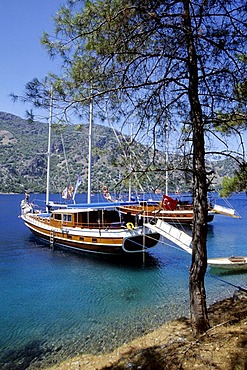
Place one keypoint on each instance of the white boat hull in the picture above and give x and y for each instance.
(228, 263)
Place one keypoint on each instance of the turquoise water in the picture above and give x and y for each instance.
(58, 304)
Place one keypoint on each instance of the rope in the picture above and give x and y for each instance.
(161, 242)
(227, 282)
(65, 157)
(228, 203)
(175, 259)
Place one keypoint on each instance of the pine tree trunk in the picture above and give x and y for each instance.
(198, 308)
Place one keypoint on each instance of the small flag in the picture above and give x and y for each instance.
(65, 193)
(78, 183)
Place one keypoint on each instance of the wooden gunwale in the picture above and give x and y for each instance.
(66, 237)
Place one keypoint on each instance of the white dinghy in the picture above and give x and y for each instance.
(229, 263)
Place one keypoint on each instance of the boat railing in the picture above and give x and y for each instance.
(39, 220)
(97, 225)
(185, 207)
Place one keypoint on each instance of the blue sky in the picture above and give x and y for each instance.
(22, 23)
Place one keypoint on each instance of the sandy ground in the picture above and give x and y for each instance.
(172, 346)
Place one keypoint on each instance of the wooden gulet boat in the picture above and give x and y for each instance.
(92, 228)
(89, 228)
(168, 210)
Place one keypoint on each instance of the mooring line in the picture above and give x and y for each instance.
(227, 282)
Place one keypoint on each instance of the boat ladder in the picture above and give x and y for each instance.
(52, 239)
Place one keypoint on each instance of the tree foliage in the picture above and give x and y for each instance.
(236, 121)
(121, 47)
(180, 61)
(236, 183)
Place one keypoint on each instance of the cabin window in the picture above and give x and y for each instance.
(67, 218)
(57, 216)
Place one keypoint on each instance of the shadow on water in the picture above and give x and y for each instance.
(138, 261)
(210, 230)
(214, 272)
(22, 358)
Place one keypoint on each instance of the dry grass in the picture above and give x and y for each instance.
(222, 347)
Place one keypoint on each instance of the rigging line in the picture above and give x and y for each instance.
(228, 203)
(160, 241)
(186, 228)
(66, 161)
(121, 146)
(166, 243)
(227, 282)
(179, 225)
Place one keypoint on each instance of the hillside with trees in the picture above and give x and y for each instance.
(23, 160)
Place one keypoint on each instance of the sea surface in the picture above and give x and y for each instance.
(56, 304)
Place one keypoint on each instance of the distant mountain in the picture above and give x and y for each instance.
(23, 160)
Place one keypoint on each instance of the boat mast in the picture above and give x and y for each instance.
(49, 153)
(130, 177)
(90, 150)
(166, 155)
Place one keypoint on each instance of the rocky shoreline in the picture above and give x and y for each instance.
(172, 346)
